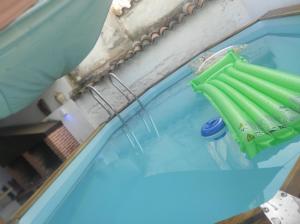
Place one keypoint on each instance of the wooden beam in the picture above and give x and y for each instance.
(292, 183)
(255, 216)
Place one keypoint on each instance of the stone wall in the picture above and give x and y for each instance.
(62, 143)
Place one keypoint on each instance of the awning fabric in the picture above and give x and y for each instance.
(46, 42)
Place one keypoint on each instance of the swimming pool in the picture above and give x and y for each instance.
(176, 177)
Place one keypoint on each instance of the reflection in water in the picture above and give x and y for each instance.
(227, 154)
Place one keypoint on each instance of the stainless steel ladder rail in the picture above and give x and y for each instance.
(113, 77)
(94, 91)
(111, 112)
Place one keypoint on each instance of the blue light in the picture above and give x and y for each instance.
(68, 117)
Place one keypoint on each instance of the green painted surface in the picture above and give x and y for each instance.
(260, 106)
(47, 42)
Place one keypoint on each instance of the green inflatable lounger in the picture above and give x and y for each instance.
(260, 106)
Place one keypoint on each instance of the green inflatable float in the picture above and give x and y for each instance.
(260, 106)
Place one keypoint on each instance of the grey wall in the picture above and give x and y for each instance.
(148, 16)
(217, 20)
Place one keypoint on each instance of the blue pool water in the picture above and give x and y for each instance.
(179, 177)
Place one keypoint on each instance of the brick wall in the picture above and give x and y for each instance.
(62, 142)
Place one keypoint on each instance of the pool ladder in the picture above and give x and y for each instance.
(112, 112)
(113, 77)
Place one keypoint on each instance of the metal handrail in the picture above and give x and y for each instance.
(213, 56)
(94, 91)
(112, 77)
(115, 77)
(111, 111)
